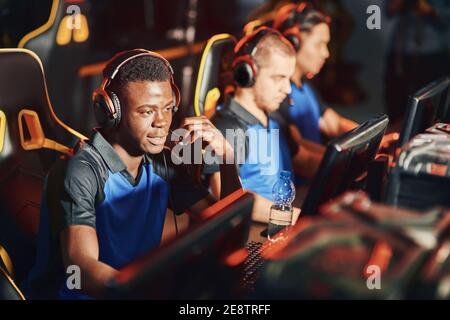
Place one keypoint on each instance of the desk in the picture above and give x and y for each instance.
(257, 227)
(255, 232)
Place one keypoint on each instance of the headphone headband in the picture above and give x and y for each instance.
(114, 66)
(290, 21)
(244, 68)
(132, 54)
(248, 44)
(292, 15)
(106, 103)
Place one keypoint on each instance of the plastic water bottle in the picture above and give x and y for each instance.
(281, 212)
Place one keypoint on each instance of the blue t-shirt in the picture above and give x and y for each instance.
(94, 188)
(261, 170)
(306, 111)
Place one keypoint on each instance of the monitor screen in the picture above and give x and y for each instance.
(426, 107)
(194, 264)
(443, 114)
(345, 161)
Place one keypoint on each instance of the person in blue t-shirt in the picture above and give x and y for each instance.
(105, 206)
(263, 64)
(308, 31)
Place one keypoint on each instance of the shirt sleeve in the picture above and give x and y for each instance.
(71, 193)
(320, 101)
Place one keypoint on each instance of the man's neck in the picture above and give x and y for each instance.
(247, 101)
(297, 78)
(131, 161)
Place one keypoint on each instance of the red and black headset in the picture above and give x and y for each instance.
(289, 20)
(107, 107)
(244, 67)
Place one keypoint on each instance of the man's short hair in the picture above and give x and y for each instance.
(311, 19)
(143, 68)
(271, 44)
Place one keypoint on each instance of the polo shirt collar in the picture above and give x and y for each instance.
(242, 113)
(107, 152)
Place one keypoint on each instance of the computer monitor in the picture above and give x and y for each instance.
(444, 110)
(196, 264)
(426, 107)
(346, 160)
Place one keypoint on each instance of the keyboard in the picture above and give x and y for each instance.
(252, 265)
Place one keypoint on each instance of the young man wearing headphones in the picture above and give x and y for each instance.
(263, 64)
(308, 31)
(105, 206)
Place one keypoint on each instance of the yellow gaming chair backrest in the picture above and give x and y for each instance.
(62, 45)
(215, 76)
(32, 137)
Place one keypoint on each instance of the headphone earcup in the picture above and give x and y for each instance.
(101, 111)
(294, 40)
(243, 74)
(116, 102)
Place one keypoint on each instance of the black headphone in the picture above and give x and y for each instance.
(244, 68)
(107, 107)
(289, 20)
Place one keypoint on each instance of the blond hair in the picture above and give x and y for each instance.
(272, 44)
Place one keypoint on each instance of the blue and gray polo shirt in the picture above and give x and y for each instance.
(267, 150)
(94, 188)
(306, 111)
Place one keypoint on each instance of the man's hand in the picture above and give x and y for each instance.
(202, 128)
(295, 215)
(388, 140)
(329, 123)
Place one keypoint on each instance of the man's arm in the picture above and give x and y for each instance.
(202, 128)
(312, 146)
(306, 162)
(261, 206)
(333, 125)
(305, 143)
(75, 201)
(79, 247)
